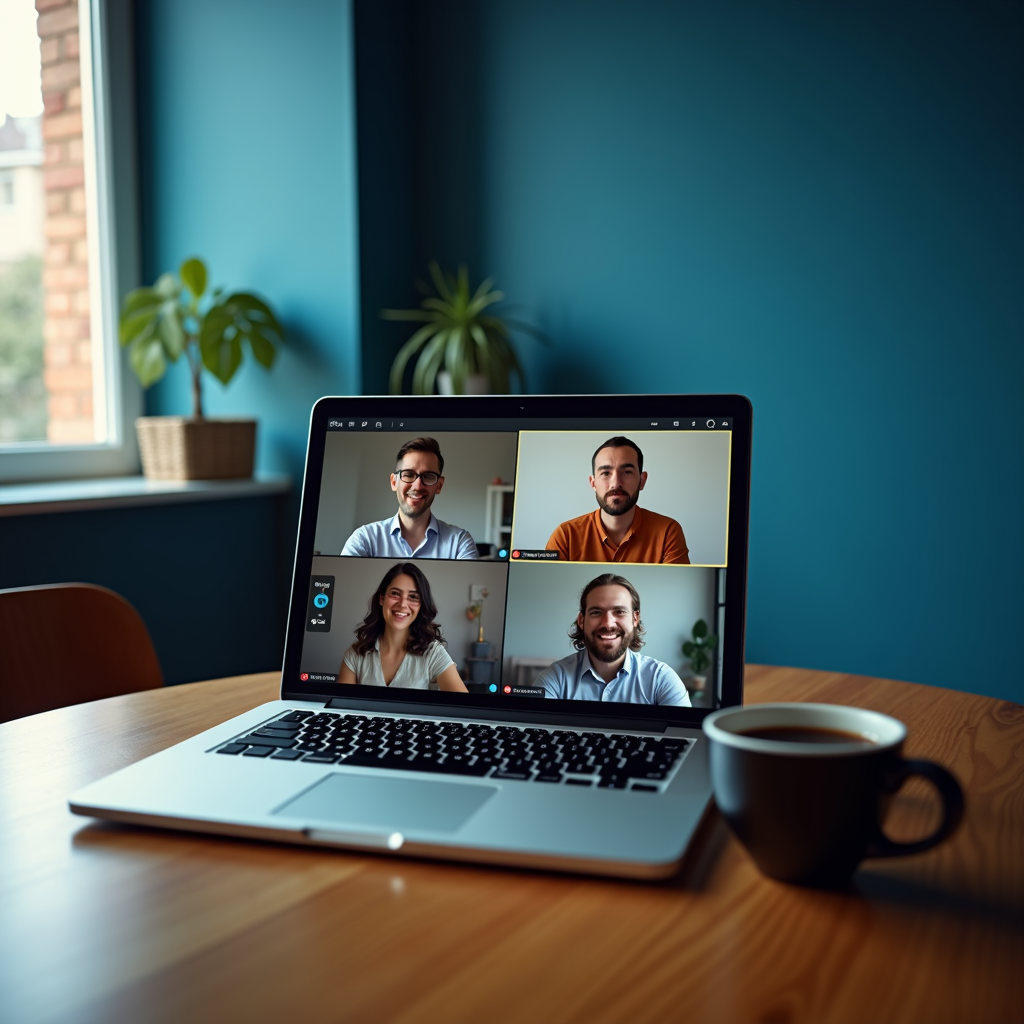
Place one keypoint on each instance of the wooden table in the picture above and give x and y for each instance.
(106, 923)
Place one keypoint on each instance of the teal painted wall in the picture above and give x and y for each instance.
(818, 205)
(247, 158)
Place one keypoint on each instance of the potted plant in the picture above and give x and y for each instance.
(698, 650)
(175, 318)
(462, 349)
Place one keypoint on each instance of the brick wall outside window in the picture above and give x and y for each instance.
(66, 329)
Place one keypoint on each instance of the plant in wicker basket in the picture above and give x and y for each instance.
(177, 317)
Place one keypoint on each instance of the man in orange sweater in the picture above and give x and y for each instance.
(619, 530)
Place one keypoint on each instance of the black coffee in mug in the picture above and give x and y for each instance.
(805, 734)
(806, 787)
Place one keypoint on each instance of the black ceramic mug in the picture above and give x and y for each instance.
(806, 787)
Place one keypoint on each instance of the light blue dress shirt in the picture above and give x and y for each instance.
(385, 540)
(640, 680)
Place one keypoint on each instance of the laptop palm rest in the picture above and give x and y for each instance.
(400, 805)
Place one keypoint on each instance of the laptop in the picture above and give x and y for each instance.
(509, 616)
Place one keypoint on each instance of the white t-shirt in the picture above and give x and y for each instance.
(415, 672)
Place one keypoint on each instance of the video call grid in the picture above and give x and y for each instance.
(415, 427)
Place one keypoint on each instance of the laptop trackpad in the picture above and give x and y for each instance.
(399, 805)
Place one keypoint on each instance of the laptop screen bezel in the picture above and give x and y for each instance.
(526, 407)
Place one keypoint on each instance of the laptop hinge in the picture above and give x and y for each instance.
(498, 715)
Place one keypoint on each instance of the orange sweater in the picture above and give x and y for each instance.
(652, 538)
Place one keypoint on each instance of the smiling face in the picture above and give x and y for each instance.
(617, 480)
(416, 497)
(400, 603)
(608, 622)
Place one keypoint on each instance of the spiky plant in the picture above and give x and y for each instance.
(457, 335)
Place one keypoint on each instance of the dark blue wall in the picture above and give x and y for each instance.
(816, 205)
(206, 577)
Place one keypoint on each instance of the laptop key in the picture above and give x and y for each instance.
(519, 776)
(320, 758)
(548, 777)
(417, 764)
(271, 741)
(258, 752)
(361, 759)
(232, 748)
(285, 755)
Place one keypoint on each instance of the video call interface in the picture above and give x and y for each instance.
(548, 562)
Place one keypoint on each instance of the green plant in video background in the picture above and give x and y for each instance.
(176, 317)
(699, 649)
(459, 337)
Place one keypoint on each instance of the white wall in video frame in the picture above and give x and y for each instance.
(688, 479)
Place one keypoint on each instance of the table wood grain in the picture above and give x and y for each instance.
(107, 923)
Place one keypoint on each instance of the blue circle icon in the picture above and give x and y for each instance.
(503, 553)
(493, 688)
(321, 600)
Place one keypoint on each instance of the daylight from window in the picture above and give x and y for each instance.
(46, 391)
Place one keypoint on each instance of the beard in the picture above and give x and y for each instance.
(621, 509)
(414, 513)
(608, 654)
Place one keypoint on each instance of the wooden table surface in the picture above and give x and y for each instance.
(107, 923)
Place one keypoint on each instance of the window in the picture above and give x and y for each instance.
(67, 250)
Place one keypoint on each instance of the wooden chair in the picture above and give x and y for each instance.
(69, 643)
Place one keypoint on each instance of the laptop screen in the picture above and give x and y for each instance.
(538, 554)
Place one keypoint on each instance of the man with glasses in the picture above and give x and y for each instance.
(414, 531)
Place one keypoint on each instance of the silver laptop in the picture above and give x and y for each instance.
(508, 618)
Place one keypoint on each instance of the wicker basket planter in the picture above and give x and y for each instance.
(187, 448)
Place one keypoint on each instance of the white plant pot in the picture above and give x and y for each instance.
(476, 384)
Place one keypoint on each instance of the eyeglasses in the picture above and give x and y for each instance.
(410, 476)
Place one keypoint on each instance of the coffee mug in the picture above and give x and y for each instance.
(806, 787)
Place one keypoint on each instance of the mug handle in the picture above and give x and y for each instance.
(952, 809)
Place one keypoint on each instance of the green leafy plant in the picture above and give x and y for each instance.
(699, 649)
(176, 317)
(458, 336)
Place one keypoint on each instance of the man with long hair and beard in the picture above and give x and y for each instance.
(607, 635)
(398, 643)
(619, 530)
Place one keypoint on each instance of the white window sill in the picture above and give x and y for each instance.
(130, 491)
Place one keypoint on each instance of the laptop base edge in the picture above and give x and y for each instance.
(375, 843)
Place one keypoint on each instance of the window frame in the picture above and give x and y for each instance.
(111, 186)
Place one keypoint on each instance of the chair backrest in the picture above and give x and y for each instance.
(69, 643)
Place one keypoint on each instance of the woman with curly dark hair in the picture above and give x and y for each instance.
(398, 643)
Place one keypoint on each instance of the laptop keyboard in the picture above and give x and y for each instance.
(554, 756)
